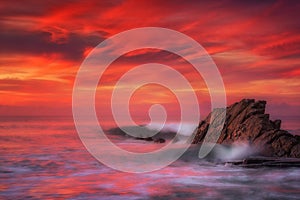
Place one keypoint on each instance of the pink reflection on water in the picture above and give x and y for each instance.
(46, 160)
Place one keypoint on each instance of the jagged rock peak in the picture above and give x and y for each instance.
(247, 122)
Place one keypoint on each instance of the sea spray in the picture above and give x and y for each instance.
(185, 129)
(220, 152)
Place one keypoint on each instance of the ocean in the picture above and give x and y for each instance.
(43, 158)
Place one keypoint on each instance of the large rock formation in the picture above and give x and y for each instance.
(247, 122)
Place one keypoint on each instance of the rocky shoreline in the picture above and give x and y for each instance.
(245, 123)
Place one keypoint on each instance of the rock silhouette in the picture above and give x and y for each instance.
(141, 133)
(247, 122)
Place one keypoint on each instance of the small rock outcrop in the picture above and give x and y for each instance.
(247, 122)
(141, 133)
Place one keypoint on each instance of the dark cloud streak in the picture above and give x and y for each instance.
(38, 43)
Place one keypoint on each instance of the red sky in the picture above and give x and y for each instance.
(256, 46)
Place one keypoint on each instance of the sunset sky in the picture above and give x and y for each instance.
(255, 44)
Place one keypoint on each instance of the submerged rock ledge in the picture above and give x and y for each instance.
(247, 122)
(256, 162)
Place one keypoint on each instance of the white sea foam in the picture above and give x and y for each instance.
(186, 129)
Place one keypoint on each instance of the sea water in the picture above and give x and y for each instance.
(43, 158)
